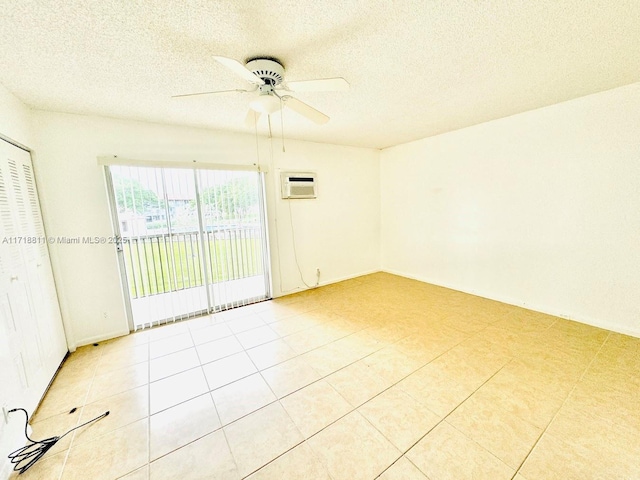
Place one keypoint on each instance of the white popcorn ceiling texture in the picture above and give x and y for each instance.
(416, 68)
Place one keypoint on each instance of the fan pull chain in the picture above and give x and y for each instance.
(282, 123)
(255, 128)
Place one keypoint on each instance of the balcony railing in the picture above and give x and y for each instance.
(169, 262)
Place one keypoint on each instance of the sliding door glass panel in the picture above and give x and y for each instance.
(235, 236)
(180, 252)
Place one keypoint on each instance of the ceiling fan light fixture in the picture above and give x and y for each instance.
(266, 75)
(267, 104)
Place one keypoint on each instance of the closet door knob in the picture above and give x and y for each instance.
(14, 278)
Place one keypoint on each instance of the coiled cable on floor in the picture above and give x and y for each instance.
(25, 457)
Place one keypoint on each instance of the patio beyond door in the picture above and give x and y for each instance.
(192, 241)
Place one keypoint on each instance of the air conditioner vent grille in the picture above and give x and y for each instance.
(298, 185)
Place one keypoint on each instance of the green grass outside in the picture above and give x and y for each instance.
(157, 266)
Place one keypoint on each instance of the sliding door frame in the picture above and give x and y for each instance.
(266, 253)
(119, 248)
(204, 258)
(212, 305)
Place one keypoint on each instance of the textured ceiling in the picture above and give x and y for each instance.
(416, 68)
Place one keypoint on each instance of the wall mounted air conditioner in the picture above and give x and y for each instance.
(298, 184)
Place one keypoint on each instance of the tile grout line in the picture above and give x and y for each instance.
(94, 374)
(147, 417)
(147, 385)
(559, 408)
(233, 334)
(278, 399)
(305, 439)
(258, 371)
(471, 336)
(185, 401)
(355, 409)
(300, 354)
(205, 379)
(443, 419)
(288, 394)
(245, 350)
(86, 397)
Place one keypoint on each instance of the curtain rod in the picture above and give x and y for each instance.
(116, 160)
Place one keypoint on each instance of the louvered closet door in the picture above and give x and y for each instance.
(30, 315)
(13, 377)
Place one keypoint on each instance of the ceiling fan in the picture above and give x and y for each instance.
(266, 76)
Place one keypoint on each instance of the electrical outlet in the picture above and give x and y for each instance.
(5, 413)
(318, 272)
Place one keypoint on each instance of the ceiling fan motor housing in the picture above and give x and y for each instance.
(271, 71)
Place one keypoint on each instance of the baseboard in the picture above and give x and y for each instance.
(101, 338)
(325, 283)
(348, 277)
(594, 322)
(119, 333)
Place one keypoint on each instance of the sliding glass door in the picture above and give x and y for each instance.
(193, 241)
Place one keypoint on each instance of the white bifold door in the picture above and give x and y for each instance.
(32, 341)
(193, 241)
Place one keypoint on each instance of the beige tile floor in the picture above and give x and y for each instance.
(376, 377)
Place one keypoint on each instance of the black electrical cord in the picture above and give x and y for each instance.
(25, 457)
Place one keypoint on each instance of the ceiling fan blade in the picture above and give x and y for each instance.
(239, 69)
(338, 84)
(237, 90)
(252, 119)
(305, 110)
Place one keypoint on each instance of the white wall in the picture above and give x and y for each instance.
(15, 119)
(541, 209)
(338, 233)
